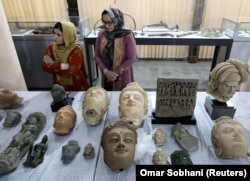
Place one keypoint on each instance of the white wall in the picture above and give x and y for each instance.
(11, 76)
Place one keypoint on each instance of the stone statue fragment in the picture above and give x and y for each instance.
(22, 142)
(12, 118)
(186, 140)
(9, 99)
(69, 151)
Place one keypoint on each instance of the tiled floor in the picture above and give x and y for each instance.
(147, 71)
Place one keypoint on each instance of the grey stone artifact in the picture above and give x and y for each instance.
(175, 97)
(22, 142)
(65, 120)
(58, 93)
(229, 139)
(69, 151)
(159, 157)
(180, 157)
(119, 142)
(225, 79)
(186, 140)
(133, 104)
(89, 151)
(12, 118)
(95, 104)
(159, 137)
(9, 99)
(36, 153)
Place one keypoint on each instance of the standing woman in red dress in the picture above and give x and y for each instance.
(64, 59)
(115, 51)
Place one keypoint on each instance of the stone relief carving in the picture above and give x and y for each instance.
(175, 97)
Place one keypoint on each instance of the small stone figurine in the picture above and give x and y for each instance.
(89, 151)
(69, 151)
(36, 153)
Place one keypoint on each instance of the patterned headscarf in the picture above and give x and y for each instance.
(117, 18)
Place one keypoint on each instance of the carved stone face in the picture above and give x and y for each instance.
(95, 105)
(159, 137)
(159, 157)
(133, 104)
(12, 118)
(229, 139)
(69, 151)
(65, 120)
(9, 100)
(118, 143)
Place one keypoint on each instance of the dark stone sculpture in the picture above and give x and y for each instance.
(12, 118)
(89, 151)
(69, 151)
(36, 153)
(59, 97)
(180, 157)
(22, 142)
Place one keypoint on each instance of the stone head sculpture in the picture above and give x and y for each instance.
(119, 142)
(229, 139)
(159, 157)
(12, 118)
(159, 137)
(58, 93)
(9, 99)
(133, 104)
(95, 105)
(225, 78)
(65, 120)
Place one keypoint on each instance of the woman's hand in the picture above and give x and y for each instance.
(110, 75)
(48, 59)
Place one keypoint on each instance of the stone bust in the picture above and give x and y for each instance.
(133, 104)
(65, 120)
(9, 99)
(225, 79)
(229, 139)
(95, 105)
(119, 142)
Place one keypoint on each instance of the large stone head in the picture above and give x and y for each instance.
(133, 104)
